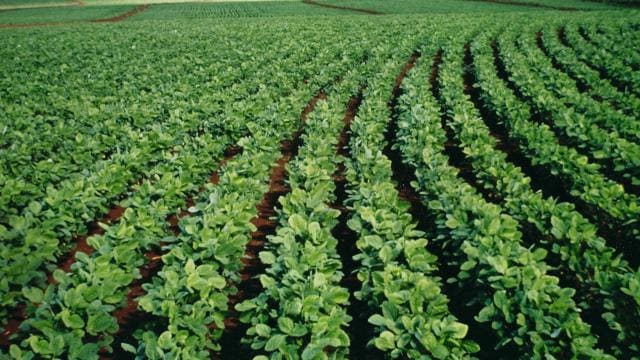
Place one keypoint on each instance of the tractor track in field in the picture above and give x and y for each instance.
(348, 8)
(249, 285)
(121, 17)
(113, 19)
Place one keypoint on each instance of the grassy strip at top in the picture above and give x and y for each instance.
(61, 14)
(236, 10)
(457, 6)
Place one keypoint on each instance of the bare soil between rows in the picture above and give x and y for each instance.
(266, 225)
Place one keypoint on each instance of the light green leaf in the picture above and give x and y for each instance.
(263, 330)
(34, 294)
(267, 257)
(298, 223)
(386, 341)
(275, 342)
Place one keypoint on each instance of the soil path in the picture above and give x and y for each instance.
(360, 10)
(114, 19)
(128, 14)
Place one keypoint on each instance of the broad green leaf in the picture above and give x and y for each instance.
(275, 342)
(35, 295)
(263, 330)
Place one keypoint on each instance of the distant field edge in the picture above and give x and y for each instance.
(43, 5)
(74, 3)
(530, 4)
(134, 10)
(621, 3)
(348, 8)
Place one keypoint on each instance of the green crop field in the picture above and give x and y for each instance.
(320, 179)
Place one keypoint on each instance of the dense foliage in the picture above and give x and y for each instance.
(452, 187)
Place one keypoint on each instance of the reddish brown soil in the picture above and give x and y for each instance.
(347, 248)
(266, 226)
(13, 325)
(114, 214)
(397, 89)
(360, 10)
(128, 14)
(130, 312)
(118, 18)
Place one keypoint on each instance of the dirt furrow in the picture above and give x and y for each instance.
(19, 315)
(128, 14)
(117, 18)
(347, 239)
(249, 285)
(129, 316)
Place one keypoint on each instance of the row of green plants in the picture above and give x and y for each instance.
(104, 111)
(122, 249)
(407, 308)
(617, 155)
(201, 270)
(587, 78)
(605, 282)
(565, 89)
(73, 317)
(35, 241)
(509, 284)
(582, 178)
(519, 287)
(301, 312)
(158, 109)
(607, 64)
(621, 47)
